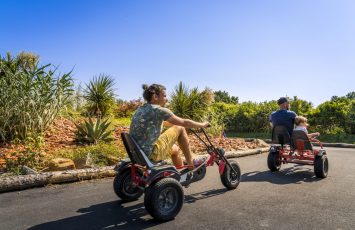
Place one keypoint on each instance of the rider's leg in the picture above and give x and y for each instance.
(175, 156)
(183, 141)
(165, 146)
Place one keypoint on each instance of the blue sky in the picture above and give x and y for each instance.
(256, 50)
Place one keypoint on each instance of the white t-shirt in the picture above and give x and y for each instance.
(302, 128)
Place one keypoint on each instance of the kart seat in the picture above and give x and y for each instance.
(280, 135)
(300, 141)
(135, 152)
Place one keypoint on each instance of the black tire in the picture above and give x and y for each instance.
(273, 161)
(124, 187)
(229, 179)
(321, 166)
(164, 199)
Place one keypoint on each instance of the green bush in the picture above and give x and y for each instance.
(28, 157)
(330, 117)
(220, 116)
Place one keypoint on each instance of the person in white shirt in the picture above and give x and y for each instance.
(301, 124)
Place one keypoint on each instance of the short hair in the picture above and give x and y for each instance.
(282, 100)
(300, 119)
(150, 90)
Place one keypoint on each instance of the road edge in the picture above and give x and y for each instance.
(21, 182)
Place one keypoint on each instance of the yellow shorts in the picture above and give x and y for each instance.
(162, 148)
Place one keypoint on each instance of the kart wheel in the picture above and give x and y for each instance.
(124, 187)
(321, 166)
(273, 161)
(199, 174)
(229, 178)
(164, 199)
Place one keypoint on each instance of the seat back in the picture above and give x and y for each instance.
(135, 152)
(300, 141)
(280, 135)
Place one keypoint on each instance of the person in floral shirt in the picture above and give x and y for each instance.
(146, 129)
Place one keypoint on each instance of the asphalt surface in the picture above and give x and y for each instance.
(290, 199)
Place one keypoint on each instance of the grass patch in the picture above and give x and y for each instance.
(102, 154)
(122, 121)
(338, 138)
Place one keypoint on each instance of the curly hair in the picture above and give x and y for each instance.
(150, 90)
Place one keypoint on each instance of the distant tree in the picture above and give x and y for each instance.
(351, 95)
(330, 116)
(334, 98)
(350, 118)
(301, 107)
(223, 96)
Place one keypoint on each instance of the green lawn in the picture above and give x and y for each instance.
(339, 138)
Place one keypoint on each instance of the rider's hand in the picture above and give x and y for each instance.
(206, 124)
(316, 134)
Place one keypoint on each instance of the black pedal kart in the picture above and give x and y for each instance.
(163, 183)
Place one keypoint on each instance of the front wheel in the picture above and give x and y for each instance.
(274, 161)
(321, 166)
(164, 199)
(125, 188)
(229, 178)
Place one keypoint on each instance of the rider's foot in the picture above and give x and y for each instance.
(198, 161)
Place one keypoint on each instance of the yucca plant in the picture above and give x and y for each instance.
(93, 132)
(190, 104)
(100, 96)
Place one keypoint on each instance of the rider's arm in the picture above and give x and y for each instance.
(187, 123)
(313, 135)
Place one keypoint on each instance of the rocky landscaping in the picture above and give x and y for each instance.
(61, 137)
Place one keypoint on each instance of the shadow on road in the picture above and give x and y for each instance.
(110, 215)
(116, 215)
(192, 198)
(293, 175)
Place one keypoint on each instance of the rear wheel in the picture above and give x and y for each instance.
(164, 199)
(229, 178)
(125, 188)
(321, 166)
(273, 161)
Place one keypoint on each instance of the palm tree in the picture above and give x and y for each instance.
(99, 94)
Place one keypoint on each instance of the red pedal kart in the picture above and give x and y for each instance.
(296, 149)
(162, 183)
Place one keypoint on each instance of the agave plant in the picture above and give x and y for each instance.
(93, 132)
(99, 94)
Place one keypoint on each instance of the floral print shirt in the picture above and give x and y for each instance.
(146, 125)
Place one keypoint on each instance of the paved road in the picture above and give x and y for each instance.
(290, 199)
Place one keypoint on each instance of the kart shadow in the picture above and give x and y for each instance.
(192, 198)
(293, 175)
(110, 215)
(116, 215)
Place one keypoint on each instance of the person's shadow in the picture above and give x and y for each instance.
(293, 175)
(116, 215)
